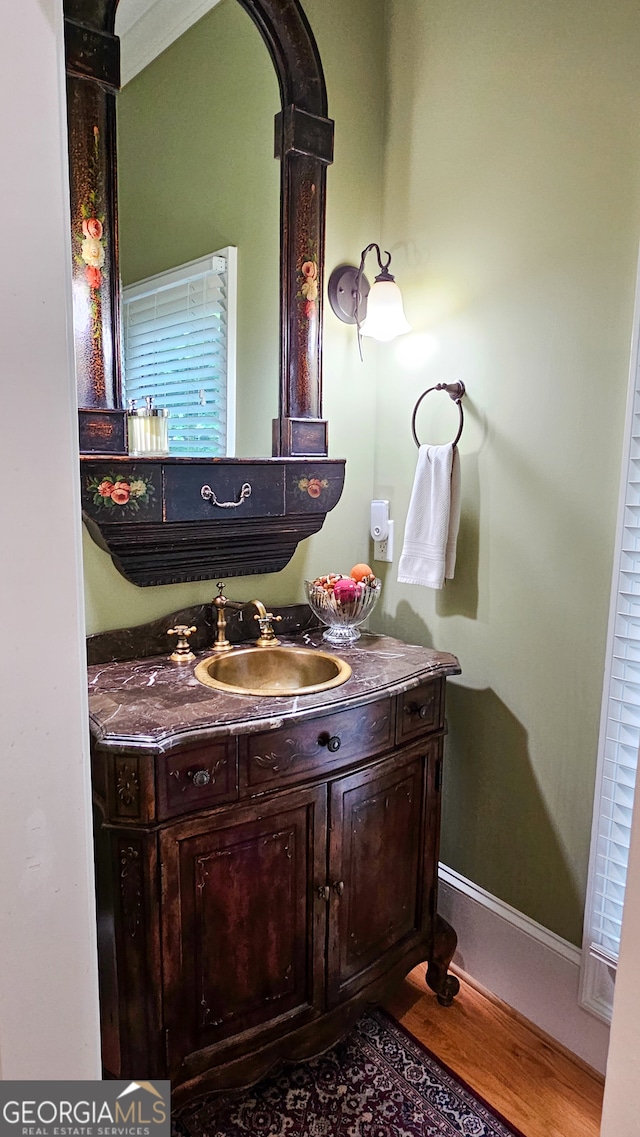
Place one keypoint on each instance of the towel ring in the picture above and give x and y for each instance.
(456, 392)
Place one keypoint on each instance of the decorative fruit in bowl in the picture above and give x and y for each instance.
(362, 572)
(343, 602)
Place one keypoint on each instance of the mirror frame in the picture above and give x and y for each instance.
(149, 544)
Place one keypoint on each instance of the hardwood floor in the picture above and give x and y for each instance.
(538, 1086)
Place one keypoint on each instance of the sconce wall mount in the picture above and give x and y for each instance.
(342, 291)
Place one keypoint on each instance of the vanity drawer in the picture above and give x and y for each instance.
(240, 490)
(293, 754)
(420, 710)
(195, 779)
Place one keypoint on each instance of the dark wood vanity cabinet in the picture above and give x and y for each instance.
(376, 871)
(242, 926)
(259, 890)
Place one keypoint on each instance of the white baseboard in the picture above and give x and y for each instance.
(527, 966)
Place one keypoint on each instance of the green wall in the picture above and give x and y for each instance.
(493, 148)
(512, 206)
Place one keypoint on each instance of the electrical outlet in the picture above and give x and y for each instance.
(383, 550)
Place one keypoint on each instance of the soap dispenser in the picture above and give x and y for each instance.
(148, 430)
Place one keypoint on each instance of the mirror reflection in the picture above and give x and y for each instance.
(197, 176)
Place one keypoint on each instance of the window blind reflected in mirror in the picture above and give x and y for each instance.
(179, 346)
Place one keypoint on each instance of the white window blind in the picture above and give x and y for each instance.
(619, 728)
(178, 333)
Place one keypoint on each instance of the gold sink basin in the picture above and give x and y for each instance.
(273, 671)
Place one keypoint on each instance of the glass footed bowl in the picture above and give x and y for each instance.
(342, 617)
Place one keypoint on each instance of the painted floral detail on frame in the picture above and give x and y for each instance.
(309, 285)
(111, 492)
(312, 486)
(92, 241)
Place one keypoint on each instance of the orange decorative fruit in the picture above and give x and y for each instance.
(360, 572)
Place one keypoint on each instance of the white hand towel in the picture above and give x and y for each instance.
(429, 550)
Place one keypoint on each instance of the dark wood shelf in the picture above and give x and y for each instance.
(150, 514)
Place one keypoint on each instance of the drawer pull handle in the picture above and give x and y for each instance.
(208, 495)
(201, 778)
(338, 887)
(421, 711)
(324, 891)
(331, 741)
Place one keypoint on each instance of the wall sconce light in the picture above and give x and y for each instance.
(377, 311)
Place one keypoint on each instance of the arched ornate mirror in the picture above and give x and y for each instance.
(197, 519)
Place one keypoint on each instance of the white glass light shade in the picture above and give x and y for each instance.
(385, 317)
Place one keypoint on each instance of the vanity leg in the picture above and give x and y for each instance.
(445, 939)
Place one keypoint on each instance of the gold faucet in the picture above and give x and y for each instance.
(265, 620)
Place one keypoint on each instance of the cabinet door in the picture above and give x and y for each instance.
(377, 909)
(243, 925)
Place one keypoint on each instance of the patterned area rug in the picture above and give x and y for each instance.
(379, 1081)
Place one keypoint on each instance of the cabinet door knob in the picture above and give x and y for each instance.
(324, 891)
(201, 778)
(338, 887)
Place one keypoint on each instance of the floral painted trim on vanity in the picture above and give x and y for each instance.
(112, 492)
(312, 486)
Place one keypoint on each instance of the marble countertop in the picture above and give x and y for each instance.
(154, 705)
